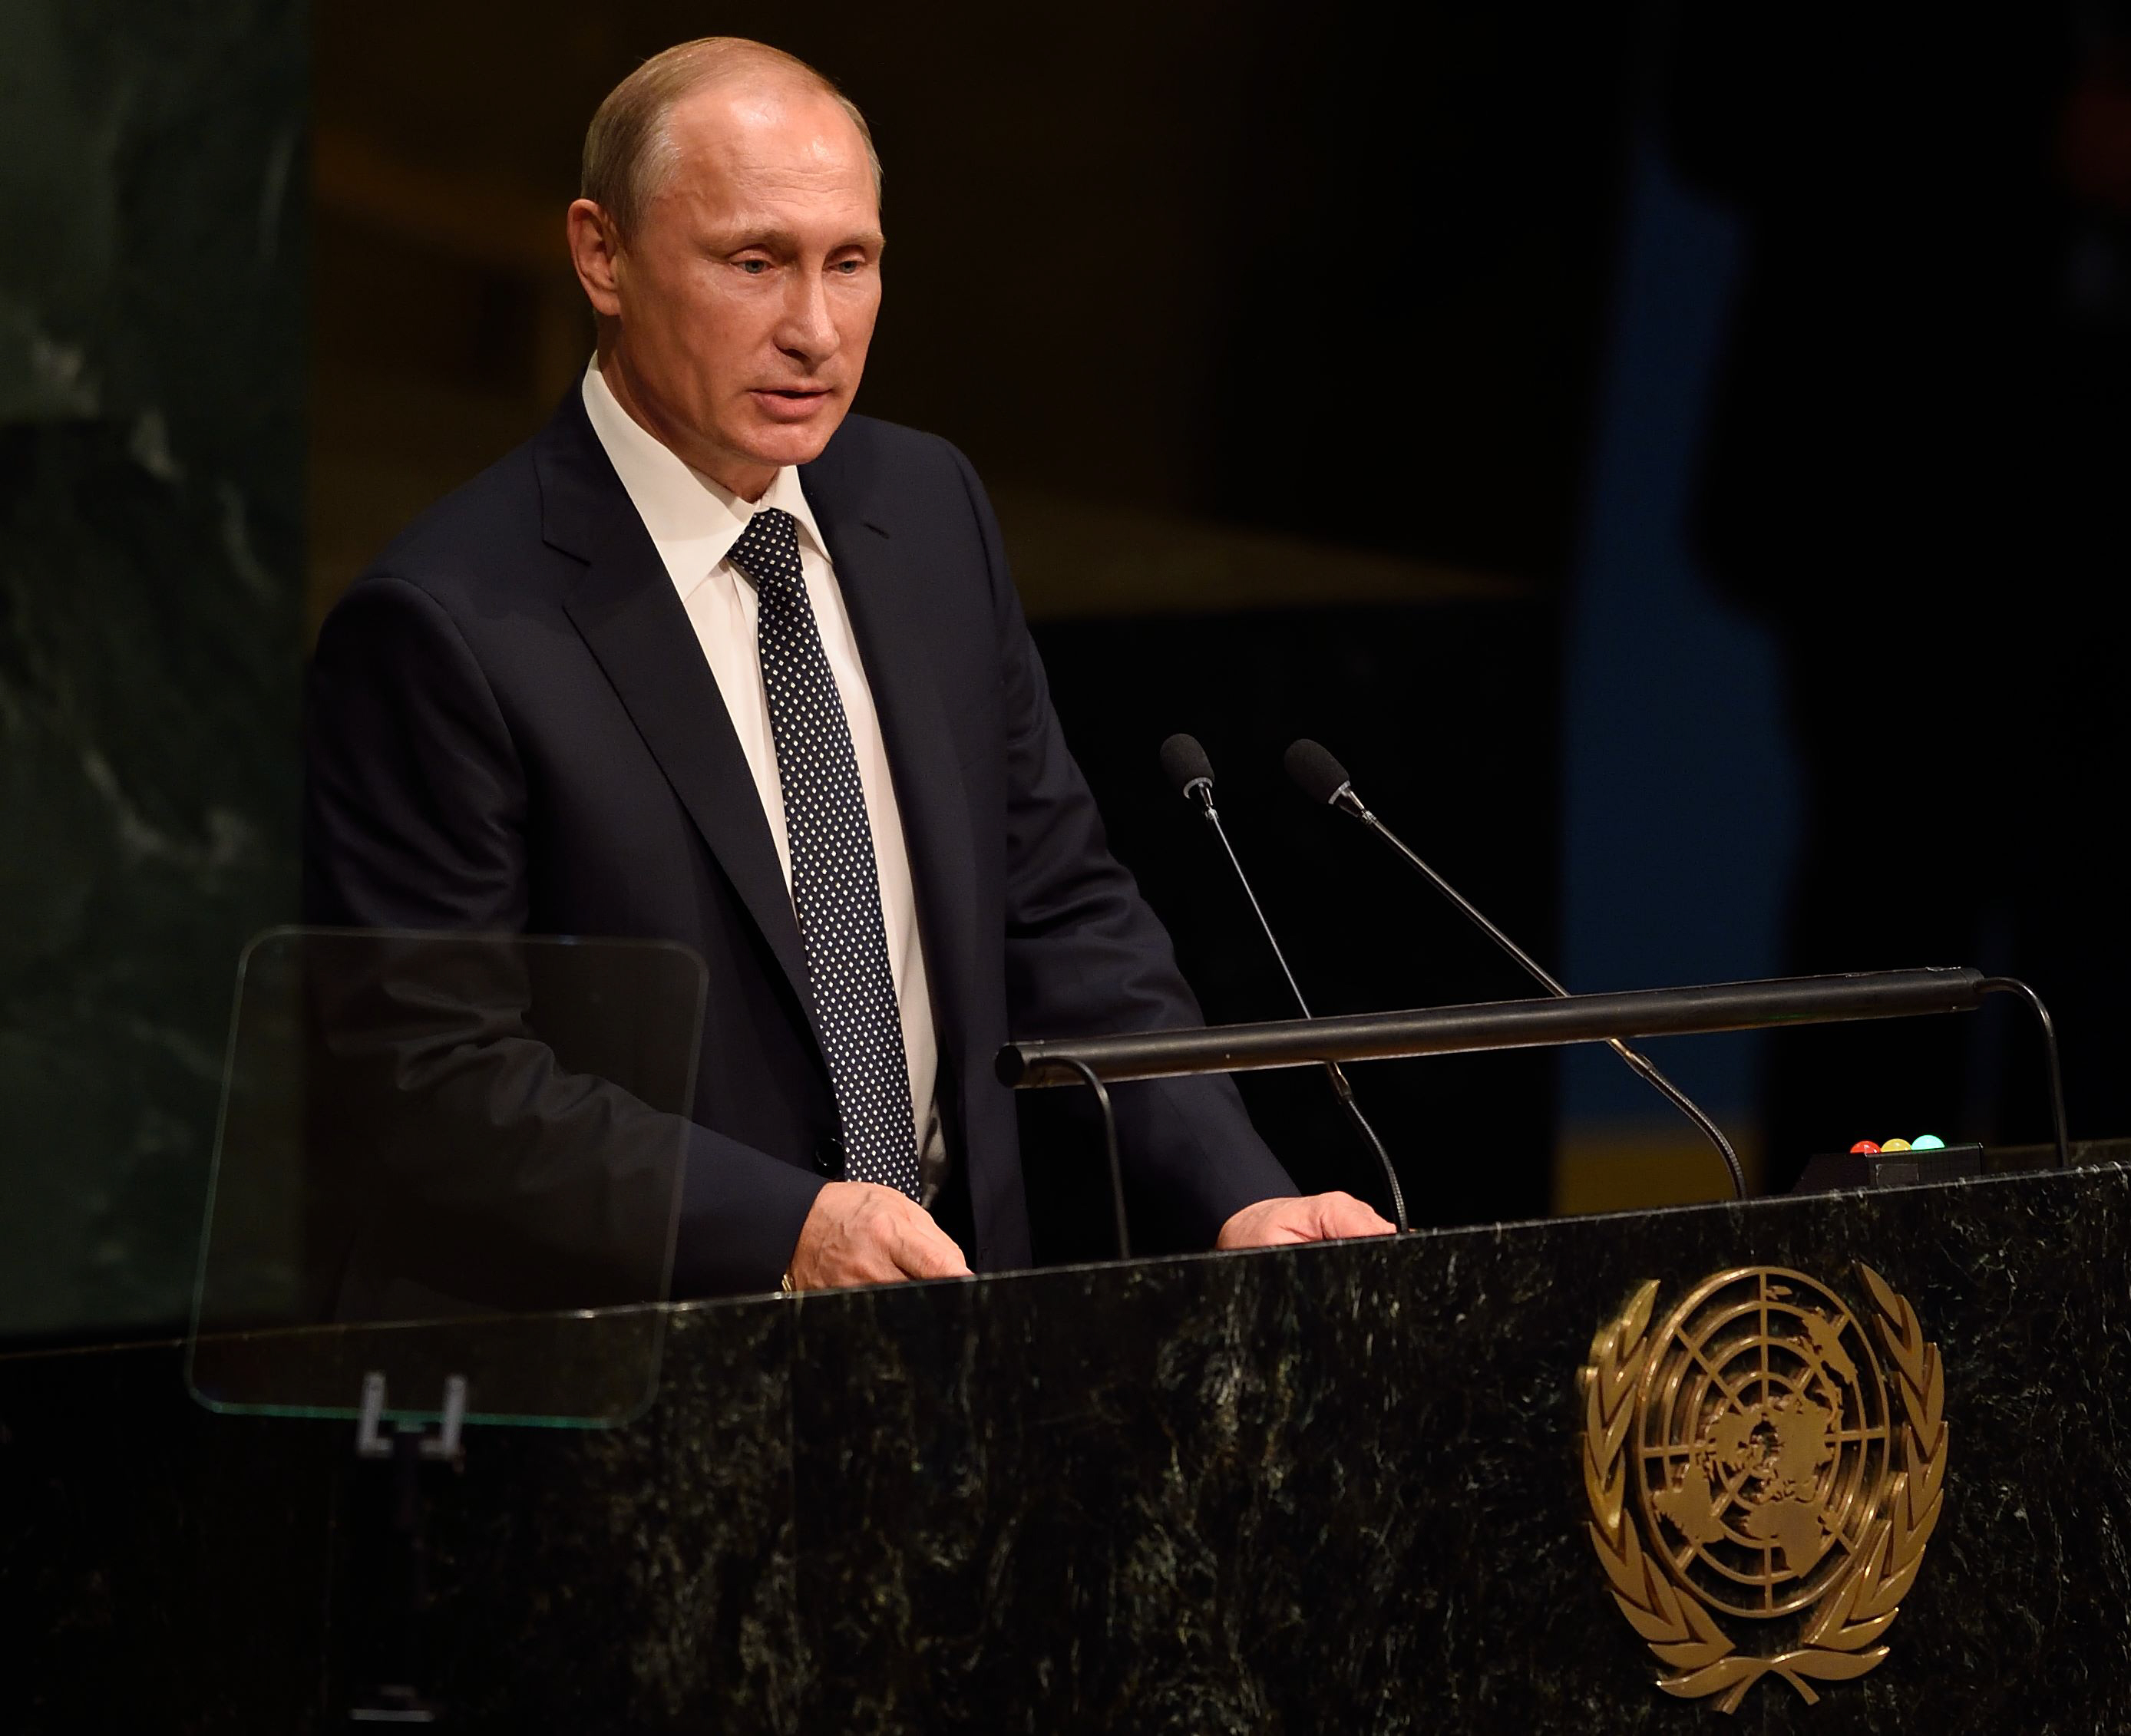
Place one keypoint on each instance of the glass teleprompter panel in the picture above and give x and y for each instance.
(447, 1156)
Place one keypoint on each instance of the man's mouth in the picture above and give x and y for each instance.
(789, 402)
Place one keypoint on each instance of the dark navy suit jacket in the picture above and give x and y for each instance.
(512, 727)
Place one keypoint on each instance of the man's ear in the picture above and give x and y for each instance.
(595, 250)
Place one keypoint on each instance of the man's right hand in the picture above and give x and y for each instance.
(859, 1233)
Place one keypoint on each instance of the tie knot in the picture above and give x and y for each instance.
(768, 551)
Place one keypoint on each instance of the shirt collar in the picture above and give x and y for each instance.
(693, 521)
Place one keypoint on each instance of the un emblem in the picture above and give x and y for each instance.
(1754, 1472)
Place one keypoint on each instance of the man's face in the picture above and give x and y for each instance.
(743, 303)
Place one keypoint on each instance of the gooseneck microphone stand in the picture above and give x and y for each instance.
(1192, 772)
(1323, 777)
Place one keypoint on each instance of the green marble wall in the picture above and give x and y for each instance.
(152, 363)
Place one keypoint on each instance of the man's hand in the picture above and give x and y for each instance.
(1313, 1218)
(859, 1233)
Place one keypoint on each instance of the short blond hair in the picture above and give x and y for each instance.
(628, 149)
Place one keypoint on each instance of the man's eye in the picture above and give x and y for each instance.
(849, 267)
(755, 267)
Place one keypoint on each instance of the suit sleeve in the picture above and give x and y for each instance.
(1085, 955)
(415, 817)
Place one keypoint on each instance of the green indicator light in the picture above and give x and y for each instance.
(1926, 1142)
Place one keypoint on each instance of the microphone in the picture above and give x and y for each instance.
(1185, 763)
(1321, 779)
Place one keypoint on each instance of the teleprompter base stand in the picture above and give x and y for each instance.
(388, 1571)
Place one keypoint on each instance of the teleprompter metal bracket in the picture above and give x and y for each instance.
(374, 1436)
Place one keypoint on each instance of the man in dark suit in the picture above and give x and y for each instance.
(710, 661)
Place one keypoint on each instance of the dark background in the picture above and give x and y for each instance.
(1675, 460)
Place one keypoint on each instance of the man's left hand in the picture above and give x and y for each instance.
(1313, 1218)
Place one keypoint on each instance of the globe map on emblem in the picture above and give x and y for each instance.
(1761, 1441)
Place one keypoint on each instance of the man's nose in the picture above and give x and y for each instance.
(807, 330)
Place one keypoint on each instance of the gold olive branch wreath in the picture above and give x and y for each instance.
(1855, 1611)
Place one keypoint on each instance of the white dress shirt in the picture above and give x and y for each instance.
(694, 524)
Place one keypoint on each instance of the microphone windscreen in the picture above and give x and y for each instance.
(1183, 763)
(1316, 773)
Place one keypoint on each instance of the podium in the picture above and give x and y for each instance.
(1345, 1487)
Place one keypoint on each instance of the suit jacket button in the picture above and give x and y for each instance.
(829, 1155)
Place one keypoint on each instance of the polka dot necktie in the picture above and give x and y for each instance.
(835, 886)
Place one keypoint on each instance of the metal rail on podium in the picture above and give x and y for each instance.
(1101, 1060)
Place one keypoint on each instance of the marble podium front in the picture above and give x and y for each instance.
(1327, 1488)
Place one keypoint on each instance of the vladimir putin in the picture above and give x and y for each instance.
(713, 660)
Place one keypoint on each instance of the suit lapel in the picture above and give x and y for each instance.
(884, 599)
(626, 609)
